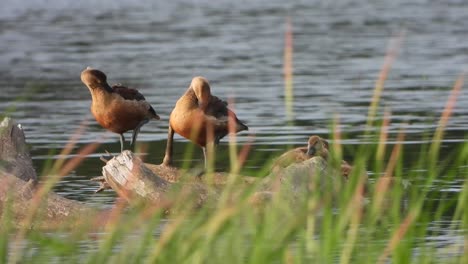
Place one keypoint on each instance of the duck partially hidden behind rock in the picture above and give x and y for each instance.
(200, 117)
(117, 108)
(316, 147)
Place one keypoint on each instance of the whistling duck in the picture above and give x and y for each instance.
(117, 108)
(316, 146)
(200, 117)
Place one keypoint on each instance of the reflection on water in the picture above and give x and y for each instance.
(339, 48)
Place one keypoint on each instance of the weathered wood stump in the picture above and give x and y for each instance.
(18, 185)
(14, 154)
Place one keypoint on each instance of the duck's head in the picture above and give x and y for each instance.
(317, 146)
(201, 88)
(95, 79)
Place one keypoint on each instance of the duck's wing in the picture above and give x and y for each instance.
(132, 94)
(127, 93)
(217, 107)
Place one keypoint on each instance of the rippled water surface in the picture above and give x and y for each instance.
(339, 49)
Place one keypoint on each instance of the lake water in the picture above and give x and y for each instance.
(339, 48)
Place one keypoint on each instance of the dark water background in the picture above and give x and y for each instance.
(339, 48)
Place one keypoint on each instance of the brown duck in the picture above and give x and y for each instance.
(316, 146)
(200, 117)
(117, 108)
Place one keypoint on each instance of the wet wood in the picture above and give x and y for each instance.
(160, 184)
(173, 174)
(18, 198)
(131, 179)
(157, 185)
(14, 154)
(18, 187)
(135, 180)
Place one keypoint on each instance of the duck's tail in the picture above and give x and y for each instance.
(153, 113)
(241, 126)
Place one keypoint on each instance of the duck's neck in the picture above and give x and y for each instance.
(202, 101)
(106, 87)
(190, 99)
(100, 96)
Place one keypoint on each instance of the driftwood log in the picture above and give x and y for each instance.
(132, 179)
(14, 154)
(160, 184)
(157, 185)
(18, 186)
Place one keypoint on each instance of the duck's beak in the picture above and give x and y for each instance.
(311, 150)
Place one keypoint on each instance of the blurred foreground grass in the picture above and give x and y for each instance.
(393, 221)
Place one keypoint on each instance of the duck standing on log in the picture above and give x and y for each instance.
(117, 108)
(200, 117)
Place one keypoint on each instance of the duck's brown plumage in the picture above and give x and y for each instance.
(117, 108)
(196, 113)
(300, 154)
(316, 146)
(132, 94)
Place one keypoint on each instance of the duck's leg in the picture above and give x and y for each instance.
(122, 142)
(168, 155)
(209, 154)
(136, 131)
(205, 157)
